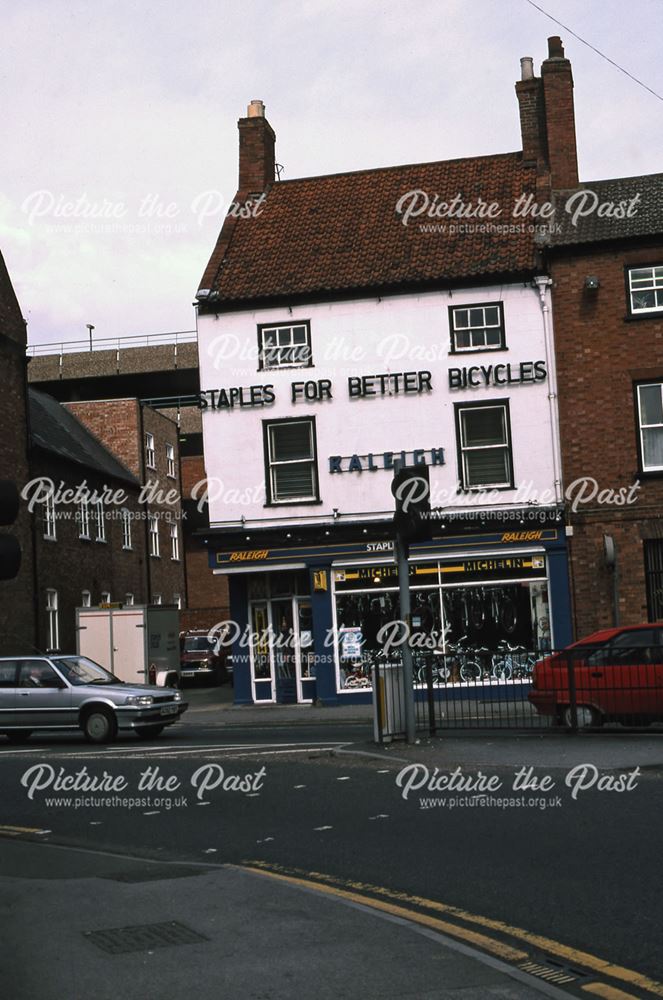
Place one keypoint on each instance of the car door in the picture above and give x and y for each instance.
(8, 670)
(43, 698)
(624, 679)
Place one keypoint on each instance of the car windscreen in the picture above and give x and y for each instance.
(197, 643)
(79, 670)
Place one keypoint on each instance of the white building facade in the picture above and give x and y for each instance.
(328, 354)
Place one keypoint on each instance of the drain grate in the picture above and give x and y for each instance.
(547, 972)
(143, 937)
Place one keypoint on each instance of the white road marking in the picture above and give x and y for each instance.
(384, 771)
(380, 816)
(323, 827)
(154, 812)
(211, 850)
(203, 803)
(167, 751)
(343, 779)
(299, 786)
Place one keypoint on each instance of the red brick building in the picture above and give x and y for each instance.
(145, 441)
(604, 254)
(608, 317)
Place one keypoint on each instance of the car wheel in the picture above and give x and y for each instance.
(587, 717)
(99, 726)
(19, 735)
(148, 732)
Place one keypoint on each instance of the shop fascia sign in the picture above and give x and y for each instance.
(387, 384)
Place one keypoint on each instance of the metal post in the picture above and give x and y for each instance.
(90, 328)
(404, 597)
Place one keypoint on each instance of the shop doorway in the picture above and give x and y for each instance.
(282, 657)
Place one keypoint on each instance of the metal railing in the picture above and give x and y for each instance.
(585, 688)
(175, 338)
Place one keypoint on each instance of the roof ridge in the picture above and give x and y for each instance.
(401, 166)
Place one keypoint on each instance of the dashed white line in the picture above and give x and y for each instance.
(323, 827)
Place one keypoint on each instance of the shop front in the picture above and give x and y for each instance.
(308, 621)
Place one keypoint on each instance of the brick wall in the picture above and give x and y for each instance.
(600, 352)
(17, 611)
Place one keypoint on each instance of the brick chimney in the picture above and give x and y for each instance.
(547, 119)
(560, 117)
(529, 90)
(256, 150)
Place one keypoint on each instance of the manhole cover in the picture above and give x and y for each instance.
(143, 937)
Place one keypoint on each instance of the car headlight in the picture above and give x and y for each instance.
(177, 696)
(139, 699)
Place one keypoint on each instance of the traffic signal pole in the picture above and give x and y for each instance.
(406, 617)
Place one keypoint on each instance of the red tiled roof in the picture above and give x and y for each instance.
(341, 232)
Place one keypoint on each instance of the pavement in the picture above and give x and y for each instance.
(610, 749)
(87, 924)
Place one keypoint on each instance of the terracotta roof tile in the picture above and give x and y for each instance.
(341, 232)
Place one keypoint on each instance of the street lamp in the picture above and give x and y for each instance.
(90, 328)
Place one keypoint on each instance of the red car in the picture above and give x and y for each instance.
(617, 674)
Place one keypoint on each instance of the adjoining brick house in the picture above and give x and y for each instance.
(605, 258)
(608, 308)
(333, 337)
(17, 605)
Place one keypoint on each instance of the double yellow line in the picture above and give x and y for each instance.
(355, 892)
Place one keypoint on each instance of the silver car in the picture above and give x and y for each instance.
(73, 692)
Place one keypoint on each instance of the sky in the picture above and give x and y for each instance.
(119, 152)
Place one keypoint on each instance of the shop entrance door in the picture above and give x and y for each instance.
(293, 650)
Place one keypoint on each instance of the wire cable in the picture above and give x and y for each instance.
(594, 49)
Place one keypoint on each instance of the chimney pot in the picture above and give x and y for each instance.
(527, 68)
(256, 109)
(555, 47)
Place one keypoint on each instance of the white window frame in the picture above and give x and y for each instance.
(126, 530)
(150, 451)
(270, 356)
(643, 427)
(86, 599)
(155, 551)
(84, 519)
(464, 450)
(174, 543)
(177, 601)
(170, 461)
(52, 616)
(273, 464)
(157, 599)
(646, 283)
(129, 600)
(105, 597)
(50, 526)
(100, 522)
(454, 313)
